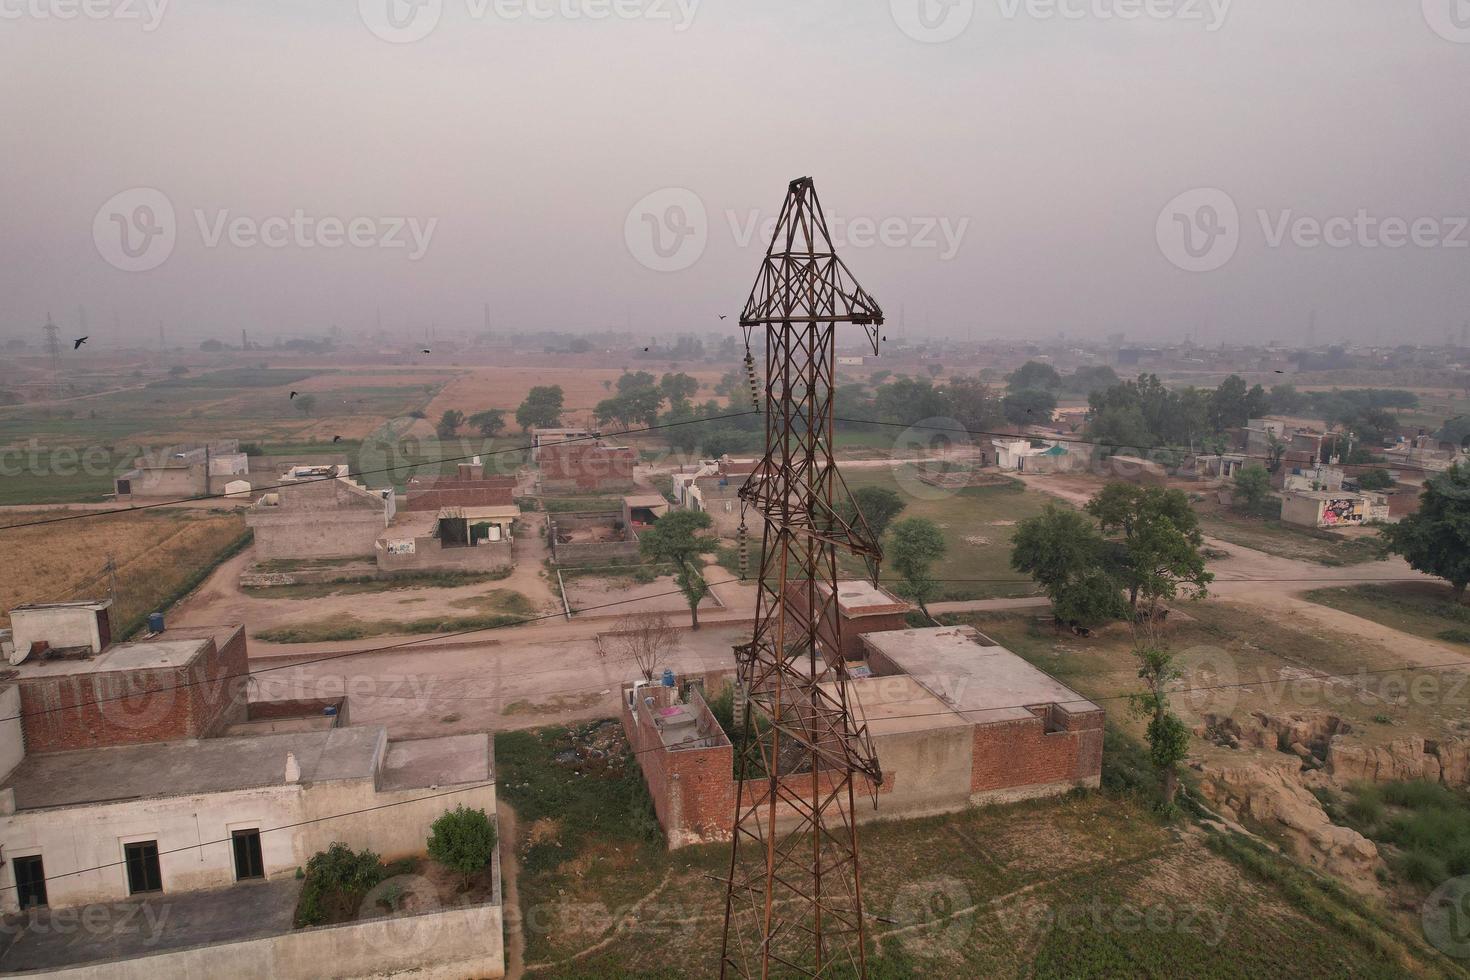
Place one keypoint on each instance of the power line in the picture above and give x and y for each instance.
(386, 469)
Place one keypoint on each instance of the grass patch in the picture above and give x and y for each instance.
(366, 584)
(977, 522)
(1285, 540)
(1424, 609)
(347, 627)
(1424, 827)
(564, 505)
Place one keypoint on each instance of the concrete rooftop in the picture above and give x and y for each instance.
(184, 768)
(862, 598)
(424, 763)
(986, 683)
(895, 704)
(175, 648)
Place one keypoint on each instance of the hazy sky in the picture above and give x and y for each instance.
(1019, 170)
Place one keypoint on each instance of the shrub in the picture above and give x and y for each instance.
(462, 840)
(337, 879)
(1422, 869)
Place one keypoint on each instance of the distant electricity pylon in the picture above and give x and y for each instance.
(53, 351)
(793, 902)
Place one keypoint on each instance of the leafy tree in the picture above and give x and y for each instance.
(878, 505)
(1029, 406)
(177, 371)
(907, 400)
(1063, 551)
(678, 387)
(973, 404)
(1085, 380)
(935, 370)
(305, 404)
(211, 345)
(1168, 738)
(448, 425)
(463, 840)
(675, 540)
(1092, 598)
(1228, 404)
(1156, 540)
(490, 422)
(917, 545)
(1251, 489)
(635, 380)
(878, 377)
(1436, 540)
(1034, 374)
(541, 409)
(1375, 479)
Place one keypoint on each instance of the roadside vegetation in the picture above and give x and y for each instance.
(1424, 609)
(500, 607)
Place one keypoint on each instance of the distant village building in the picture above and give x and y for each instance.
(1333, 508)
(713, 487)
(318, 512)
(545, 437)
(183, 471)
(1019, 455)
(585, 467)
(465, 522)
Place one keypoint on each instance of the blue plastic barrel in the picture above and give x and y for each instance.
(668, 677)
(155, 622)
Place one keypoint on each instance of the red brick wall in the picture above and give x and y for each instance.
(1023, 753)
(586, 466)
(125, 708)
(692, 789)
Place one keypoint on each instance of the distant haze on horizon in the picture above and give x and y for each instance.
(554, 168)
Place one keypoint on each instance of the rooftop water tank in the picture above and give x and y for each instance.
(155, 622)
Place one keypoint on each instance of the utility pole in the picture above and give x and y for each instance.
(793, 901)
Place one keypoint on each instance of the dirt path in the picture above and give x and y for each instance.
(1397, 645)
(510, 894)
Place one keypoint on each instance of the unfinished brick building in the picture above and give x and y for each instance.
(956, 721)
(586, 467)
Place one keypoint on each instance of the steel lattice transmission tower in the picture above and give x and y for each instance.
(794, 897)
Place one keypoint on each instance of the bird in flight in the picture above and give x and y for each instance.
(76, 344)
(293, 395)
(723, 315)
(427, 351)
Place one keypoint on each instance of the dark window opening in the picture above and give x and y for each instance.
(144, 874)
(30, 881)
(248, 862)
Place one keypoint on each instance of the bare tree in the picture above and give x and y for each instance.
(647, 639)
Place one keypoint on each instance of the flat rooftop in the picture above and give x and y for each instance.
(449, 760)
(187, 767)
(174, 648)
(863, 598)
(898, 703)
(646, 500)
(984, 682)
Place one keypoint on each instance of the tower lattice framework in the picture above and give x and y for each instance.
(794, 895)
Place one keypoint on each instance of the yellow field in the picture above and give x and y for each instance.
(159, 554)
(477, 389)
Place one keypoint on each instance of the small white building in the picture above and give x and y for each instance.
(103, 824)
